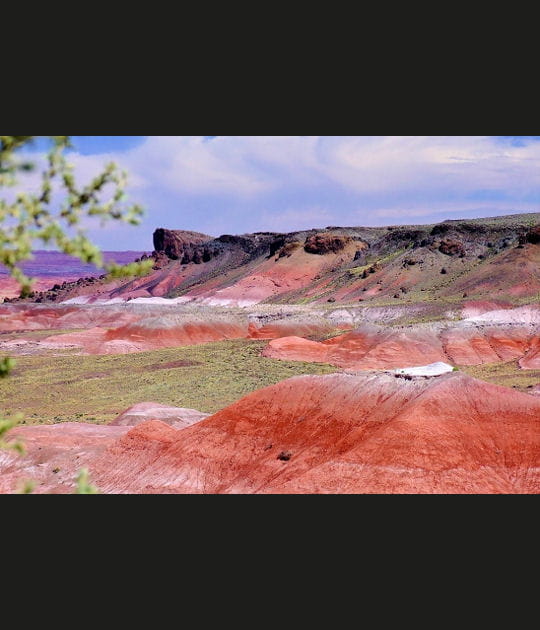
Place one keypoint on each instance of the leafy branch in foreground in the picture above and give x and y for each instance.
(83, 484)
(59, 205)
(27, 487)
(6, 365)
(5, 426)
(48, 215)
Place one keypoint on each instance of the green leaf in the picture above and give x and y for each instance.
(83, 486)
(6, 365)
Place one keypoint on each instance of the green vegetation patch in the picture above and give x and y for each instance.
(49, 389)
(507, 374)
(356, 271)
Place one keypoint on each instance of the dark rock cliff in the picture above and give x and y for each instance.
(174, 243)
(453, 238)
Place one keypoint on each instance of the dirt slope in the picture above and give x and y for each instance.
(338, 434)
(375, 347)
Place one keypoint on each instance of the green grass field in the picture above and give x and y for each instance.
(507, 374)
(208, 377)
(48, 389)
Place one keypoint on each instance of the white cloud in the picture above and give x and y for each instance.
(445, 210)
(251, 166)
(424, 163)
(236, 184)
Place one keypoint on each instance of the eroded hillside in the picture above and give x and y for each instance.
(453, 261)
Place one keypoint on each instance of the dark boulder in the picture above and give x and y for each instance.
(441, 228)
(451, 247)
(174, 242)
(533, 235)
(325, 243)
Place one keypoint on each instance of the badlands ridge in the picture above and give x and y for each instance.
(375, 303)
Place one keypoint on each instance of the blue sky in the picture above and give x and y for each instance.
(237, 184)
(88, 145)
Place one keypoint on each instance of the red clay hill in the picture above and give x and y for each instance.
(483, 259)
(341, 433)
(372, 347)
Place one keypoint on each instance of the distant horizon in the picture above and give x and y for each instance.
(245, 184)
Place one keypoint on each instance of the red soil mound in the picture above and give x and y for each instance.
(531, 361)
(297, 349)
(28, 318)
(37, 317)
(273, 330)
(349, 434)
(120, 329)
(54, 455)
(141, 337)
(370, 347)
(162, 334)
(95, 341)
(178, 417)
(472, 346)
(338, 434)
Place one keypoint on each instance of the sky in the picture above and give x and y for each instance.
(239, 184)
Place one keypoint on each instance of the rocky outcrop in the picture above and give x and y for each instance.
(175, 243)
(348, 264)
(451, 247)
(325, 243)
(193, 247)
(400, 236)
(288, 249)
(533, 235)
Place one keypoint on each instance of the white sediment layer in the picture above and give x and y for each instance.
(433, 369)
(529, 314)
(81, 299)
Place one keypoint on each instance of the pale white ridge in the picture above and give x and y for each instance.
(433, 369)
